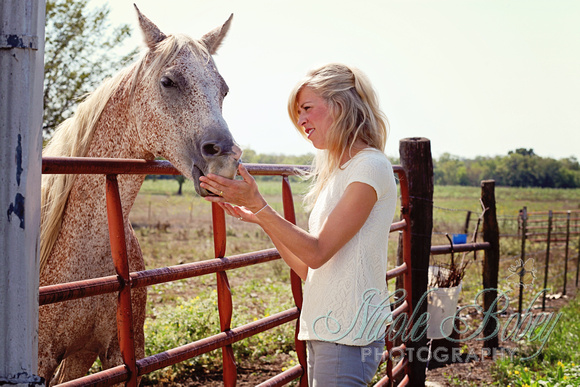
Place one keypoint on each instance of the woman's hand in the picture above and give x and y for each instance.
(238, 198)
(242, 213)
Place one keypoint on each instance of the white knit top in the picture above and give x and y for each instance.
(346, 299)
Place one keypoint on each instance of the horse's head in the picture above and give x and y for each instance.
(177, 104)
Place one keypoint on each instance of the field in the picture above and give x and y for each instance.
(450, 205)
(176, 229)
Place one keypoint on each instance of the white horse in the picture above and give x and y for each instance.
(167, 104)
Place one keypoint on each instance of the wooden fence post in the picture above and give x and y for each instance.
(578, 261)
(524, 215)
(467, 218)
(547, 265)
(566, 253)
(416, 159)
(490, 259)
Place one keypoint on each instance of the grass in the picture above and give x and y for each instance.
(558, 364)
(195, 318)
(176, 229)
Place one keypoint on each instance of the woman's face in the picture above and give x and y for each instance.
(314, 117)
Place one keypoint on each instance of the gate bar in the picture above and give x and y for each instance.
(92, 287)
(119, 253)
(295, 282)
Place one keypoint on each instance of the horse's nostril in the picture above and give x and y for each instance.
(211, 149)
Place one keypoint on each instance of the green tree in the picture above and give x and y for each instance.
(570, 163)
(79, 53)
(523, 152)
(180, 180)
(450, 170)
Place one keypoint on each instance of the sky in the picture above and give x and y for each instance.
(476, 77)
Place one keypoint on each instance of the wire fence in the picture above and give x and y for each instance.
(550, 245)
(540, 250)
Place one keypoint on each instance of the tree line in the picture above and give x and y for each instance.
(519, 168)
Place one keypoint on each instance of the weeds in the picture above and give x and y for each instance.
(189, 320)
(556, 365)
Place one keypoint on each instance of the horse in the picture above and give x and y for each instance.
(167, 104)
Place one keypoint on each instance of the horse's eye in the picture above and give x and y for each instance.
(167, 82)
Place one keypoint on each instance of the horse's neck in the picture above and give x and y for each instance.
(116, 137)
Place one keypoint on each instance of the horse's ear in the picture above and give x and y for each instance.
(151, 33)
(214, 38)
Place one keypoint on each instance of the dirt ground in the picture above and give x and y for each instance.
(475, 371)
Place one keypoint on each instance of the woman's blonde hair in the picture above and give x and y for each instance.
(354, 107)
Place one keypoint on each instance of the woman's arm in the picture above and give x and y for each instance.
(291, 260)
(345, 220)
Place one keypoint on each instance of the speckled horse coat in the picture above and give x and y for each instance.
(167, 104)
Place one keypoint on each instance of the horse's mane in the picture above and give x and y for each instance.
(73, 137)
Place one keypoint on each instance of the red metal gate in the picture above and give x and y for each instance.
(124, 281)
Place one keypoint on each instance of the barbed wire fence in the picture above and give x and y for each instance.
(540, 250)
(554, 237)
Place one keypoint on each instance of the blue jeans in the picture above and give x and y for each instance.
(333, 365)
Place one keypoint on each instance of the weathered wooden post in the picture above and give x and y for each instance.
(418, 164)
(467, 219)
(546, 267)
(522, 272)
(490, 259)
(577, 261)
(566, 253)
(21, 82)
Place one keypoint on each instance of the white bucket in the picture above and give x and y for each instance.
(441, 303)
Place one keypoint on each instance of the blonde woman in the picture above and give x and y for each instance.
(343, 256)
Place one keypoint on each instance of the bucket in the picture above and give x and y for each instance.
(441, 304)
(459, 239)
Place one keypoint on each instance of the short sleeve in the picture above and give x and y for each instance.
(372, 168)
